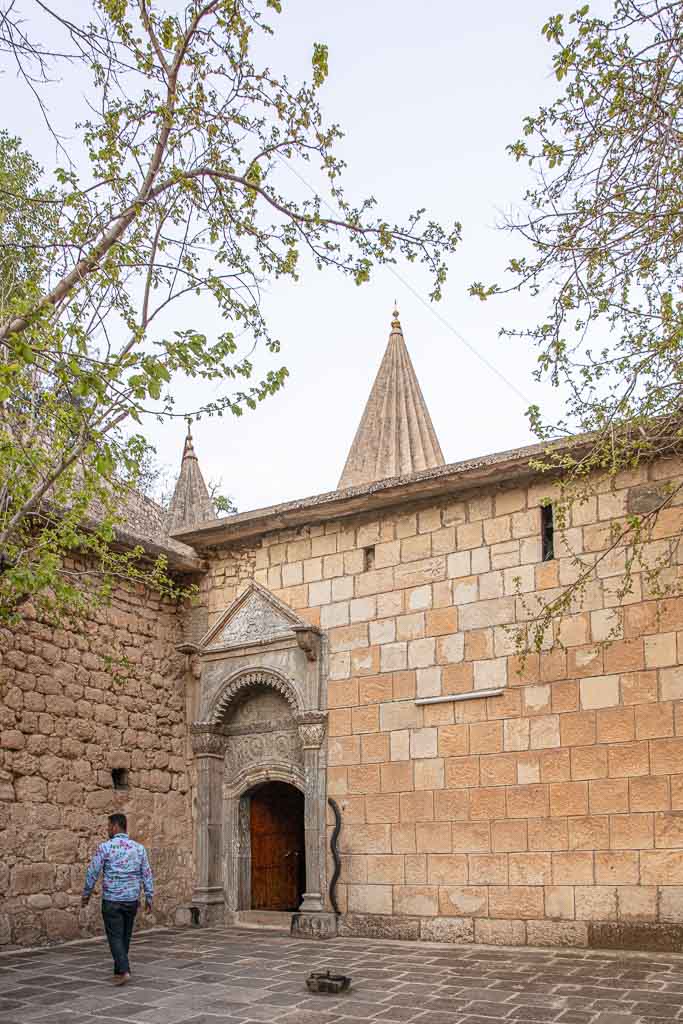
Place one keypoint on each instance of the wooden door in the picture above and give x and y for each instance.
(277, 847)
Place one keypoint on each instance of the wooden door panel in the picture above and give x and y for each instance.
(277, 847)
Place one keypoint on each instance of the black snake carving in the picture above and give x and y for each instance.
(335, 853)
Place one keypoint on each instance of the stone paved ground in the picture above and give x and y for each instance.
(225, 976)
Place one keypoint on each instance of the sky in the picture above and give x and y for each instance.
(429, 95)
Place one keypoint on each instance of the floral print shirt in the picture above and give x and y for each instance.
(125, 867)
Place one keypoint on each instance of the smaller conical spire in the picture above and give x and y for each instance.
(395, 436)
(191, 502)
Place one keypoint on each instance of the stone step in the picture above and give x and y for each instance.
(277, 920)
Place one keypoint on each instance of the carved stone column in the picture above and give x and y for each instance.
(208, 746)
(312, 921)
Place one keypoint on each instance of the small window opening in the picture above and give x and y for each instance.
(194, 917)
(368, 558)
(547, 533)
(119, 778)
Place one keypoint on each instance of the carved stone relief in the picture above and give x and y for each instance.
(256, 621)
(259, 749)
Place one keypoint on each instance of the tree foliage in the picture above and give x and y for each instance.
(173, 190)
(602, 252)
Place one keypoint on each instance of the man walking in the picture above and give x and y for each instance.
(125, 868)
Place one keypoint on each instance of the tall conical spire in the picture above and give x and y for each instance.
(191, 502)
(395, 436)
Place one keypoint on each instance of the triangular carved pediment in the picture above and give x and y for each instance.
(255, 617)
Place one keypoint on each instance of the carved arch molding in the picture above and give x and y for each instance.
(238, 686)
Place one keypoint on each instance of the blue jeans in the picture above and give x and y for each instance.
(118, 920)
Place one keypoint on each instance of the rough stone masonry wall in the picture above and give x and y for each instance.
(64, 724)
(550, 814)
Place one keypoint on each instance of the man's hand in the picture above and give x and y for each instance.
(85, 900)
(148, 906)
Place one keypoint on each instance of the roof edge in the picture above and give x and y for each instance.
(452, 478)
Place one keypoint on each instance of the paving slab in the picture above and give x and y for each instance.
(233, 976)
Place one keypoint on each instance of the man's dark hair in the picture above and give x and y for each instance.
(120, 821)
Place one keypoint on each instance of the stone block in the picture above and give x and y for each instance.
(529, 869)
(369, 899)
(457, 678)
(375, 748)
(419, 900)
(578, 729)
(365, 839)
(487, 613)
(397, 777)
(400, 745)
(631, 831)
(631, 759)
(668, 830)
(486, 737)
(516, 902)
(61, 925)
(666, 756)
(445, 929)
(415, 868)
(385, 868)
(411, 626)
(487, 803)
(429, 774)
(421, 653)
(417, 574)
(499, 770)
(500, 933)
(637, 903)
(654, 721)
(399, 715)
(544, 731)
(557, 933)
(446, 869)
(575, 868)
(433, 837)
(589, 833)
(462, 772)
(527, 801)
(30, 878)
(638, 688)
(608, 796)
(377, 926)
(599, 692)
(469, 837)
(559, 901)
(595, 902)
(429, 682)
(615, 725)
(463, 900)
(488, 868)
(507, 836)
(382, 808)
(671, 903)
(314, 926)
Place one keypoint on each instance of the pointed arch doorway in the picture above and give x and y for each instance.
(278, 854)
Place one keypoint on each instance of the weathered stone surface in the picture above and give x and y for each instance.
(447, 929)
(378, 926)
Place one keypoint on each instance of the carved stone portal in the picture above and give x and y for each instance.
(260, 702)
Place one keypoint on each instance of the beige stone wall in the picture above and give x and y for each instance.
(552, 813)
(65, 722)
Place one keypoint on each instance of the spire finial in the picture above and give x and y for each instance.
(396, 323)
(188, 448)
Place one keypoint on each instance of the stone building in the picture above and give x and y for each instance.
(358, 646)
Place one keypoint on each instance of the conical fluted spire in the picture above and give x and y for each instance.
(396, 436)
(191, 502)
